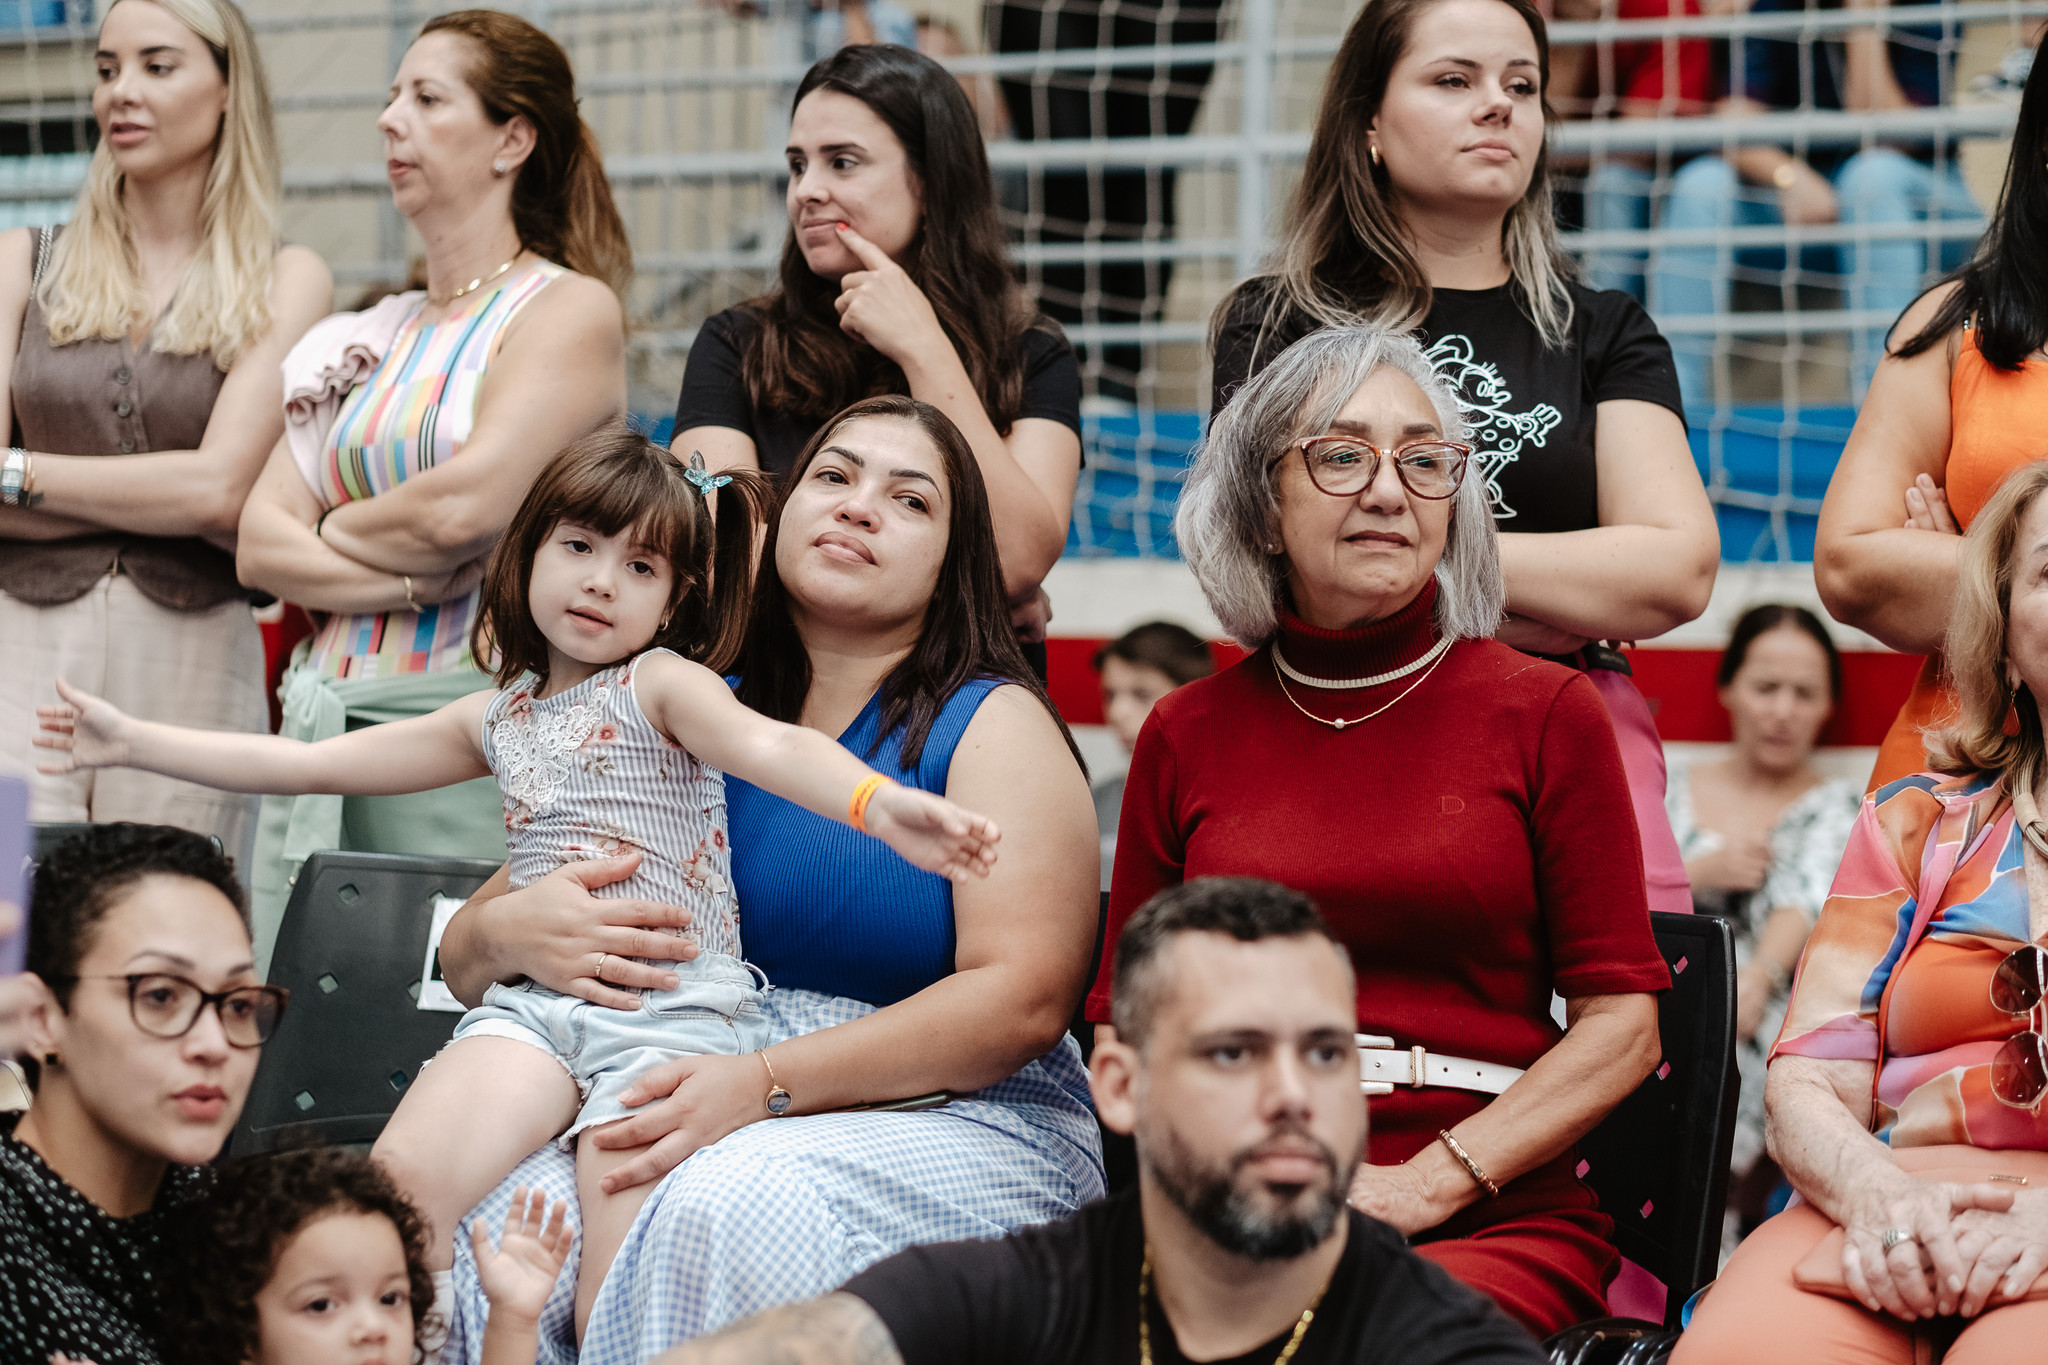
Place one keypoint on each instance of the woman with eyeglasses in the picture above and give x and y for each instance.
(140, 1051)
(1906, 1093)
(1425, 203)
(1456, 809)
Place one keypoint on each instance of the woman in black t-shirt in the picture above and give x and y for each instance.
(895, 279)
(1425, 202)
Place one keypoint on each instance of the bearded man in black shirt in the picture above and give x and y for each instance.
(1234, 1065)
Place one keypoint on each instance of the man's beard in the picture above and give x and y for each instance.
(1230, 1217)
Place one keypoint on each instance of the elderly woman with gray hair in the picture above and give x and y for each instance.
(1456, 808)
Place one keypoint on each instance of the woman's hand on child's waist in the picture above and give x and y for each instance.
(685, 1105)
(557, 933)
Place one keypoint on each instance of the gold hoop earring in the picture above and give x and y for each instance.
(1372, 149)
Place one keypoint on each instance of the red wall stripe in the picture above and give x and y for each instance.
(1678, 683)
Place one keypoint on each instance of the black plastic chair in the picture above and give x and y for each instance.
(350, 950)
(1659, 1162)
(45, 837)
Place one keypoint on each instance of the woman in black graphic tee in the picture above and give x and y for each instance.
(1425, 202)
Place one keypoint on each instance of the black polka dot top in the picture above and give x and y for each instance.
(73, 1279)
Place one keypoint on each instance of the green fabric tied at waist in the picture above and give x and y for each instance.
(291, 828)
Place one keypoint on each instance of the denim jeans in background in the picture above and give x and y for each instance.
(1878, 185)
(1618, 200)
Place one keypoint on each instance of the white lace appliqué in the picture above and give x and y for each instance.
(536, 749)
(1497, 435)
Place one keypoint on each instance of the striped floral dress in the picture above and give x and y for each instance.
(414, 412)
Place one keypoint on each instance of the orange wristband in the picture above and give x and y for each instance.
(857, 805)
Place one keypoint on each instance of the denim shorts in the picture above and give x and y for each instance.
(715, 1008)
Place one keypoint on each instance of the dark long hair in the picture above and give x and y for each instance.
(561, 203)
(2005, 286)
(966, 633)
(1344, 255)
(610, 480)
(800, 361)
(229, 1244)
(1768, 617)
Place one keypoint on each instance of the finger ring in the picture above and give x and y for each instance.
(1894, 1236)
(599, 974)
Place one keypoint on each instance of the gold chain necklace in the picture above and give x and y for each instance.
(1341, 724)
(1308, 1315)
(475, 284)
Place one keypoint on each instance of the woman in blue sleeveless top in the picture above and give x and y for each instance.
(880, 620)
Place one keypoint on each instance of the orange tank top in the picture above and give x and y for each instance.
(1995, 426)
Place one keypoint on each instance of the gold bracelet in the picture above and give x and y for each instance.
(1471, 1167)
(778, 1100)
(409, 600)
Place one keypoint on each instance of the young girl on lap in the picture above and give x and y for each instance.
(610, 730)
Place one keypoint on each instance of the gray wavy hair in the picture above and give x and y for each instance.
(1229, 511)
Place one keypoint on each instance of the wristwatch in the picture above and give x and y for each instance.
(16, 476)
(778, 1099)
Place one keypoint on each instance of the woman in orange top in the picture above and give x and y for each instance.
(1953, 409)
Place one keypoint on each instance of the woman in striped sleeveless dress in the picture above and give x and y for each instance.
(514, 349)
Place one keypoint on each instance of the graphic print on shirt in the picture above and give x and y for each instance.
(1497, 435)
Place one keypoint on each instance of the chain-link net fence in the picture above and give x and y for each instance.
(1143, 150)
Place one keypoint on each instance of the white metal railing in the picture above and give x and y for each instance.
(1257, 151)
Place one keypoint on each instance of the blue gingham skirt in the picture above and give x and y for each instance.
(792, 1208)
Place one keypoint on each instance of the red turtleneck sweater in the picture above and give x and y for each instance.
(1474, 847)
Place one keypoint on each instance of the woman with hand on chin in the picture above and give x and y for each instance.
(1426, 203)
(515, 348)
(896, 279)
(1337, 527)
(140, 347)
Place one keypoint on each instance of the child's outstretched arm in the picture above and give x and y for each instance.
(379, 760)
(693, 706)
(518, 1276)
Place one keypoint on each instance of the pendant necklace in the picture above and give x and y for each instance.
(1341, 724)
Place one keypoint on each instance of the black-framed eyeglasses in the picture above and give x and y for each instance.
(1345, 466)
(167, 1006)
(2019, 1070)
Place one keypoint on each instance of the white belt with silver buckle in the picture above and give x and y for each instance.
(1384, 1068)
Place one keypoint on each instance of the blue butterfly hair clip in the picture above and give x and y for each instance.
(705, 481)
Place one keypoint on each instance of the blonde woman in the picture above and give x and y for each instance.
(140, 346)
(1907, 1089)
(1425, 203)
(514, 349)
